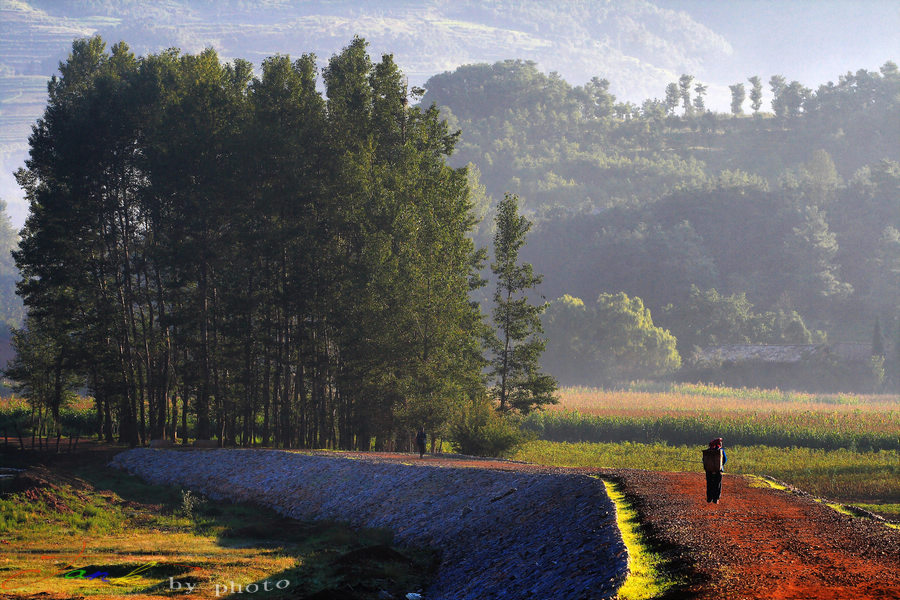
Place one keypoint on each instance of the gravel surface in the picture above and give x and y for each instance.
(761, 543)
(512, 534)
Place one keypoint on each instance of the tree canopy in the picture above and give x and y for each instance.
(609, 341)
(289, 267)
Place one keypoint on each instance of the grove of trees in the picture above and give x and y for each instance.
(217, 254)
(607, 342)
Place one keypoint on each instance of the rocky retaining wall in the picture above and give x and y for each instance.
(502, 534)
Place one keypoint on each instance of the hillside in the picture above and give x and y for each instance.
(641, 43)
(791, 213)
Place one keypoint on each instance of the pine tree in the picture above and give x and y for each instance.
(516, 346)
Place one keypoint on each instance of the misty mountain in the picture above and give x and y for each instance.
(642, 44)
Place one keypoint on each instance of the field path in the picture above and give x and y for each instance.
(757, 543)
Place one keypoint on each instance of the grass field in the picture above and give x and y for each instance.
(100, 533)
(843, 447)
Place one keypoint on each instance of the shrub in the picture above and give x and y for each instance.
(482, 431)
(189, 503)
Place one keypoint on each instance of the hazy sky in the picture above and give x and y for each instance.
(812, 41)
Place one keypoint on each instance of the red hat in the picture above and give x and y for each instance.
(716, 443)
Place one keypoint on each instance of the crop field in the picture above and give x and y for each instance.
(844, 447)
(688, 414)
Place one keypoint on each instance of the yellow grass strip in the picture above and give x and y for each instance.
(647, 577)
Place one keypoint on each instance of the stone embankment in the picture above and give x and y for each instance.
(502, 534)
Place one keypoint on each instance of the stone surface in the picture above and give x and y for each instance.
(502, 534)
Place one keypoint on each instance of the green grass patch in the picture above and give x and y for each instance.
(764, 482)
(887, 510)
(648, 576)
(847, 509)
(100, 533)
(838, 508)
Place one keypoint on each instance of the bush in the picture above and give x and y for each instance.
(482, 431)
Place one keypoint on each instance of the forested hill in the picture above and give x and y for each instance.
(638, 40)
(578, 147)
(789, 207)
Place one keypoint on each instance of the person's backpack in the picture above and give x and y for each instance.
(712, 460)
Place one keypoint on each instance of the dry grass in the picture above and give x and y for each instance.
(104, 534)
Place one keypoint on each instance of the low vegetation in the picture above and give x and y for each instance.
(95, 532)
(648, 575)
(840, 446)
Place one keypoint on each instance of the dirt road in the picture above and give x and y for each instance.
(757, 543)
(765, 543)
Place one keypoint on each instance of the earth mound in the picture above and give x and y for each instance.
(502, 534)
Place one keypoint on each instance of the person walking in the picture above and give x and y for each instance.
(714, 459)
(420, 441)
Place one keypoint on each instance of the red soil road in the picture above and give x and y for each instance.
(757, 543)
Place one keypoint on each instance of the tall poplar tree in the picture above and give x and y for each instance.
(756, 93)
(684, 87)
(877, 340)
(673, 97)
(516, 346)
(778, 85)
(737, 98)
(699, 104)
